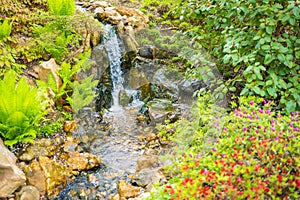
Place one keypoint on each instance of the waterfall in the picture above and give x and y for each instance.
(112, 45)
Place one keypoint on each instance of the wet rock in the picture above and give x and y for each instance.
(29, 193)
(124, 98)
(146, 92)
(167, 78)
(35, 176)
(11, 177)
(38, 149)
(160, 110)
(56, 175)
(147, 162)
(100, 57)
(126, 190)
(130, 44)
(70, 126)
(146, 177)
(82, 161)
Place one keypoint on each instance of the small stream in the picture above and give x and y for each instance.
(116, 139)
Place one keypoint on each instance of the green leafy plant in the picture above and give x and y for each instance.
(8, 61)
(5, 29)
(51, 127)
(250, 153)
(83, 93)
(255, 42)
(61, 7)
(77, 93)
(55, 40)
(20, 110)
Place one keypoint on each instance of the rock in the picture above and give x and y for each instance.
(167, 78)
(35, 176)
(100, 56)
(147, 52)
(82, 161)
(160, 110)
(56, 175)
(124, 98)
(29, 193)
(70, 126)
(147, 162)
(137, 79)
(130, 43)
(38, 149)
(143, 196)
(11, 177)
(49, 68)
(126, 190)
(146, 177)
(99, 11)
(95, 37)
(137, 14)
(101, 4)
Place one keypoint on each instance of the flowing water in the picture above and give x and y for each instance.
(116, 140)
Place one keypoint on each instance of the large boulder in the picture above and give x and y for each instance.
(11, 177)
(136, 79)
(100, 57)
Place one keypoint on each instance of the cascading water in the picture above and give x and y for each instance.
(118, 147)
(112, 45)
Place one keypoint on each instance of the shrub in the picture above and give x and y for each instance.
(253, 153)
(20, 110)
(255, 42)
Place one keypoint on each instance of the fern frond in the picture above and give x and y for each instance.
(83, 93)
(7, 97)
(61, 7)
(5, 29)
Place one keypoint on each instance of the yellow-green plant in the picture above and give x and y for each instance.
(20, 110)
(61, 7)
(5, 29)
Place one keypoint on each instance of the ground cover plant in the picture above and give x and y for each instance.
(251, 153)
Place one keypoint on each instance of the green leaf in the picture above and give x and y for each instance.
(257, 37)
(272, 92)
(281, 58)
(291, 106)
(269, 30)
(232, 89)
(257, 73)
(268, 59)
(292, 21)
(266, 47)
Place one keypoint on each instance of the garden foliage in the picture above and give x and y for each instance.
(5, 29)
(251, 153)
(61, 7)
(255, 43)
(20, 110)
